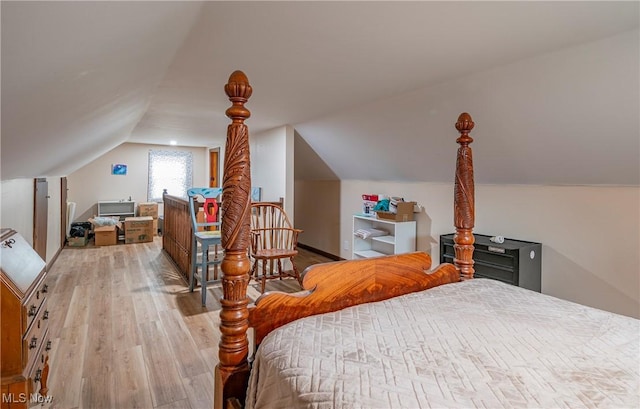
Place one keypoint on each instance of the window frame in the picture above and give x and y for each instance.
(158, 160)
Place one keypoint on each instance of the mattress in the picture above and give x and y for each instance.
(479, 343)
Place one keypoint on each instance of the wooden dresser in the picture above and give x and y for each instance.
(25, 323)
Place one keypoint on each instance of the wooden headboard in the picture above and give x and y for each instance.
(326, 287)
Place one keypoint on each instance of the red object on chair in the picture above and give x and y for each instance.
(210, 210)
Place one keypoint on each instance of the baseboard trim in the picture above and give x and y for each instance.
(53, 260)
(321, 252)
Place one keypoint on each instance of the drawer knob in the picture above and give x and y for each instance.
(45, 315)
(38, 376)
(32, 311)
(48, 347)
(33, 343)
(45, 288)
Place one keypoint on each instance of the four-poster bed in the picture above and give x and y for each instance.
(388, 342)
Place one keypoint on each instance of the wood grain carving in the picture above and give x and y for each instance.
(341, 284)
(233, 369)
(464, 204)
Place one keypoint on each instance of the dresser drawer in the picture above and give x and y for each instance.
(34, 302)
(499, 273)
(495, 257)
(481, 254)
(35, 337)
(38, 370)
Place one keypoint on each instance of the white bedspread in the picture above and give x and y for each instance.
(479, 343)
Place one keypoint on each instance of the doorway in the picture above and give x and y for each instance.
(214, 167)
(63, 211)
(40, 210)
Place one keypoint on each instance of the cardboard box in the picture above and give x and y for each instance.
(78, 241)
(148, 209)
(100, 222)
(106, 235)
(138, 229)
(155, 227)
(404, 213)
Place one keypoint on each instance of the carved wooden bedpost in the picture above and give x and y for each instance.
(464, 204)
(233, 370)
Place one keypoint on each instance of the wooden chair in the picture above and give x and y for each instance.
(273, 239)
(207, 234)
(280, 202)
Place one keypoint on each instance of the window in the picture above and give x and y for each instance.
(171, 170)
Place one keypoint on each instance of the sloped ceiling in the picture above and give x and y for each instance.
(77, 77)
(373, 88)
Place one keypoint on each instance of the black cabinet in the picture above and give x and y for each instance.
(514, 262)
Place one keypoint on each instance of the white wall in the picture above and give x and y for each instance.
(16, 207)
(95, 182)
(272, 165)
(317, 211)
(54, 212)
(591, 246)
(289, 204)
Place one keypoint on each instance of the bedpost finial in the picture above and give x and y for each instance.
(238, 90)
(464, 125)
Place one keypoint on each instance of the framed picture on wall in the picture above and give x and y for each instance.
(256, 194)
(118, 169)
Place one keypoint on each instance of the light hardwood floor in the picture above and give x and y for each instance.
(127, 333)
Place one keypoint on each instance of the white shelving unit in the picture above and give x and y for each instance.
(122, 209)
(401, 237)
